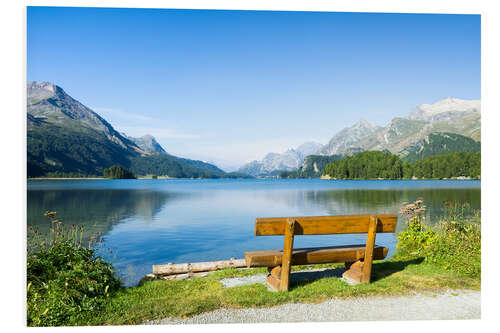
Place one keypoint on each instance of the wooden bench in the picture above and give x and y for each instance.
(357, 258)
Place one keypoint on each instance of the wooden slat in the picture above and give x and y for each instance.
(318, 255)
(324, 225)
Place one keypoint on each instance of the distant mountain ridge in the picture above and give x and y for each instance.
(450, 115)
(65, 136)
(446, 109)
(274, 162)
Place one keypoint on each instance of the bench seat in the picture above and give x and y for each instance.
(316, 255)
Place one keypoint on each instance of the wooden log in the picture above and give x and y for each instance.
(323, 225)
(287, 255)
(182, 276)
(170, 269)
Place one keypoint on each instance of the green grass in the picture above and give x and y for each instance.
(159, 299)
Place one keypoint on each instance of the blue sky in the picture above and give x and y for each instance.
(230, 86)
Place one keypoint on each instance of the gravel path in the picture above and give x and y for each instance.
(448, 305)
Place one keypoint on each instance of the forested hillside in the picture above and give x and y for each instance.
(376, 164)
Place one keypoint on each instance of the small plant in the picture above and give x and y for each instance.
(65, 279)
(58, 232)
(417, 236)
(453, 244)
(457, 211)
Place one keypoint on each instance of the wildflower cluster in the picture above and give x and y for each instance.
(57, 233)
(413, 210)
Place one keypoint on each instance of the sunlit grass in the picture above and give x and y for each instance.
(161, 298)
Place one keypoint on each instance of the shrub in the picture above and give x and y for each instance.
(453, 244)
(65, 281)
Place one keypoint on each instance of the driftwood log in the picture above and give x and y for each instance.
(196, 267)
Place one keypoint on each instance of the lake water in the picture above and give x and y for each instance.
(148, 222)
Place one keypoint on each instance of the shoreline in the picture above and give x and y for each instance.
(166, 177)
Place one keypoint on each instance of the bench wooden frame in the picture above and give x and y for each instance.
(357, 258)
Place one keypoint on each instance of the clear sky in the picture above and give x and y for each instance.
(230, 86)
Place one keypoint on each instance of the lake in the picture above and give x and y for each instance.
(148, 222)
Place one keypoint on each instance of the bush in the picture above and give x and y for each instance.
(453, 244)
(65, 281)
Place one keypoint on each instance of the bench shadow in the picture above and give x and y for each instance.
(380, 270)
(306, 277)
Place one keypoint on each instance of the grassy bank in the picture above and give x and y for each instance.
(428, 259)
(160, 299)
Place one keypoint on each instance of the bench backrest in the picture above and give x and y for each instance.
(325, 225)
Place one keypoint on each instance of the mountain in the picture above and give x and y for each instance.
(147, 143)
(66, 137)
(314, 165)
(349, 137)
(450, 115)
(50, 103)
(446, 109)
(437, 144)
(274, 162)
(309, 148)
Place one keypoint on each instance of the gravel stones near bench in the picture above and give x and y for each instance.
(312, 274)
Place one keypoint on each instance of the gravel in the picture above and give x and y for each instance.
(311, 274)
(450, 305)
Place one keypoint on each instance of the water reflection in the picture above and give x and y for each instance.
(95, 210)
(360, 201)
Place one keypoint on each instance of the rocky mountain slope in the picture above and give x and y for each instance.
(349, 137)
(147, 143)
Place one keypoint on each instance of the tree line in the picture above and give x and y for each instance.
(377, 164)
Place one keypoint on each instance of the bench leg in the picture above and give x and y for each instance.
(287, 255)
(370, 243)
(360, 271)
(348, 264)
(353, 274)
(273, 278)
